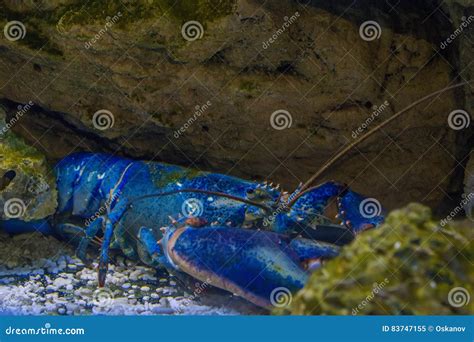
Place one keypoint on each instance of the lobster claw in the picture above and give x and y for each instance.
(358, 212)
(250, 264)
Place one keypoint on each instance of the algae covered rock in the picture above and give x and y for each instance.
(411, 265)
(27, 184)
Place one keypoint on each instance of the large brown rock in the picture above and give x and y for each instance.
(319, 69)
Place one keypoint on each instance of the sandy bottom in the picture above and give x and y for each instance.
(41, 276)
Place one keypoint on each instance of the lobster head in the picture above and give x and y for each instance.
(327, 204)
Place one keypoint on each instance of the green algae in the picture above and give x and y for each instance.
(407, 266)
(43, 24)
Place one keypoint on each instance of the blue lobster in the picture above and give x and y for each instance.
(240, 236)
(244, 237)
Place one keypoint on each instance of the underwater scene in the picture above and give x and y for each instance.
(236, 157)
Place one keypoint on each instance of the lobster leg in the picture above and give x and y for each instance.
(14, 226)
(91, 232)
(119, 238)
(149, 250)
(104, 252)
(111, 219)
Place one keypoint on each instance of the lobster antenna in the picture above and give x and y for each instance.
(306, 186)
(207, 192)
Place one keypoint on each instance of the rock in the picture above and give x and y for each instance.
(411, 265)
(326, 76)
(469, 188)
(27, 185)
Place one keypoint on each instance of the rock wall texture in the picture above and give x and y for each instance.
(208, 102)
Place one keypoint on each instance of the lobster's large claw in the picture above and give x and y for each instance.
(250, 264)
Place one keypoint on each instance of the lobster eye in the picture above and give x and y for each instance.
(6, 179)
(250, 191)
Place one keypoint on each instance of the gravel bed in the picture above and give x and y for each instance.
(41, 276)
